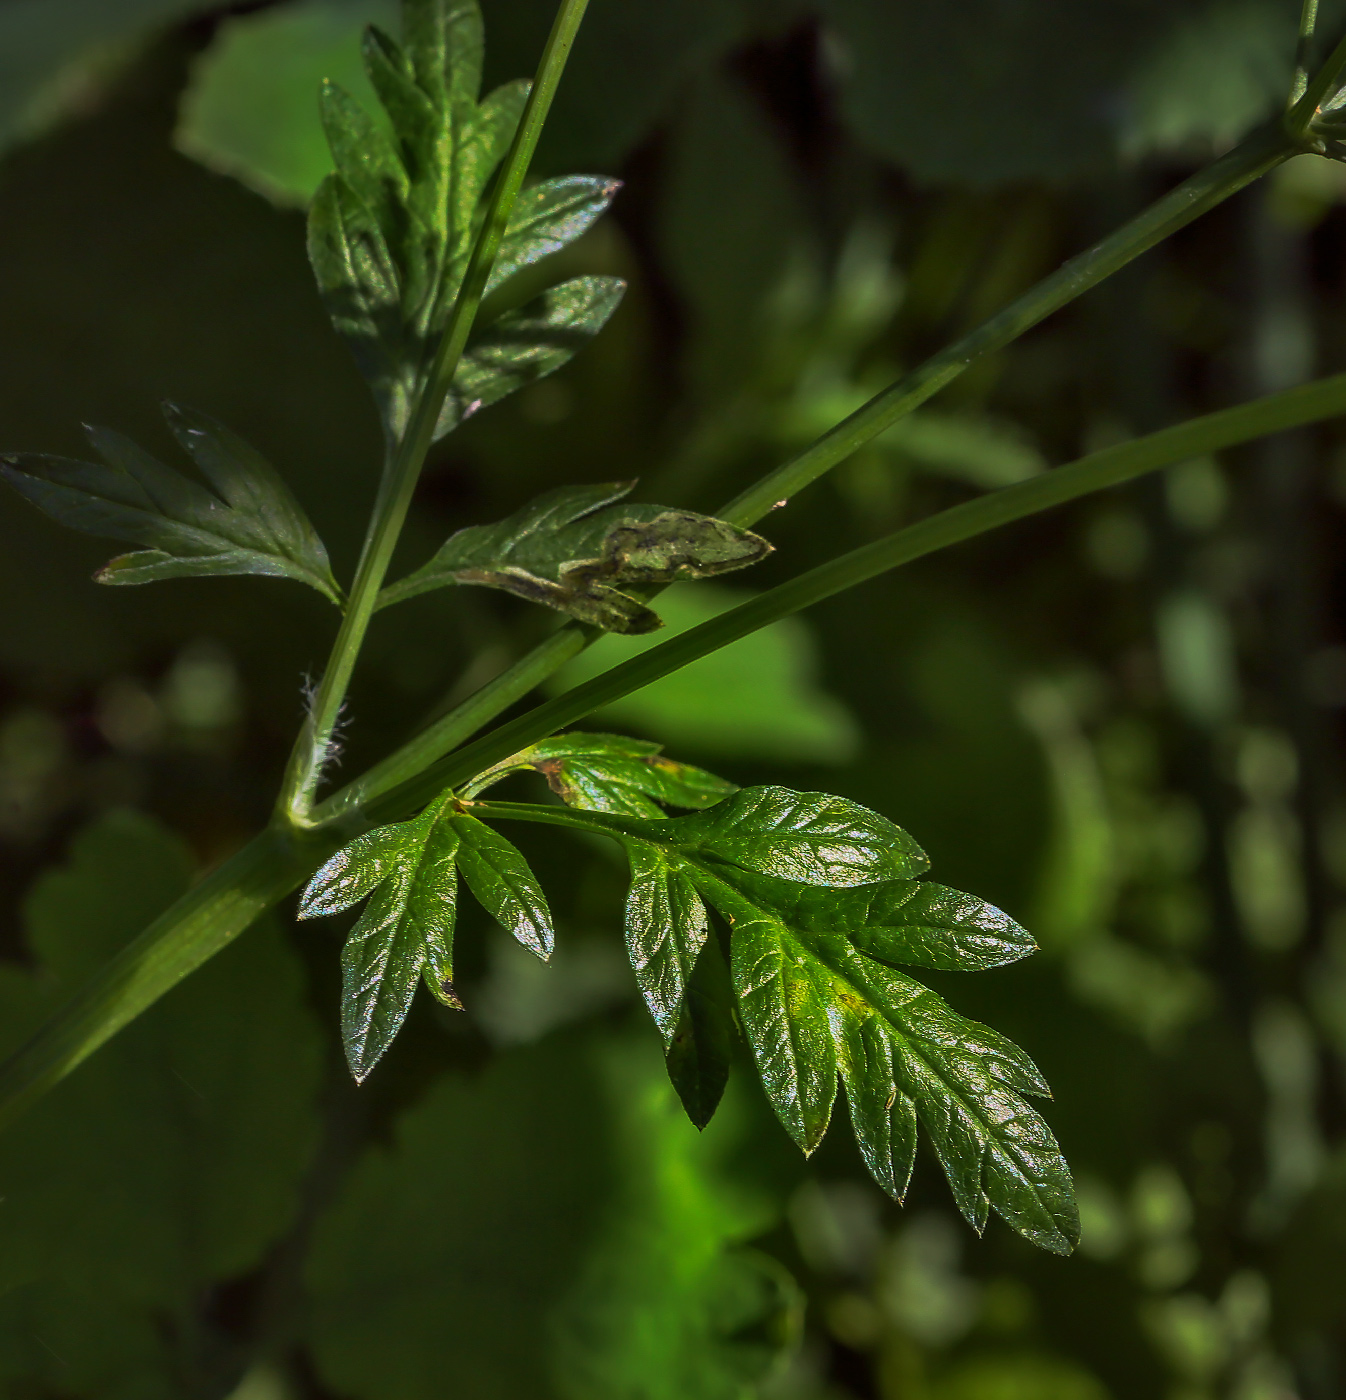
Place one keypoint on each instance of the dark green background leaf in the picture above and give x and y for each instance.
(168, 1163)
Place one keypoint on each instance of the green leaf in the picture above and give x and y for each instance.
(573, 549)
(251, 525)
(483, 142)
(611, 773)
(391, 232)
(900, 921)
(404, 932)
(546, 217)
(166, 1165)
(248, 108)
(666, 927)
(550, 1227)
(445, 43)
(813, 1004)
(698, 1054)
(528, 344)
(500, 878)
(820, 896)
(360, 286)
(812, 837)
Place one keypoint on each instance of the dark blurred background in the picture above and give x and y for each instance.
(1121, 722)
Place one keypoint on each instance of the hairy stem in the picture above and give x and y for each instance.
(222, 906)
(399, 480)
(1254, 157)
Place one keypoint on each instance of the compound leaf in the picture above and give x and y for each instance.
(503, 883)
(249, 524)
(573, 549)
(390, 233)
(820, 896)
(813, 1005)
(403, 933)
(528, 344)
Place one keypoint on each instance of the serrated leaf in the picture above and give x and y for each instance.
(898, 921)
(574, 550)
(698, 1054)
(251, 524)
(500, 878)
(405, 931)
(611, 773)
(813, 1005)
(390, 234)
(820, 895)
(666, 927)
(784, 1000)
(810, 837)
(528, 344)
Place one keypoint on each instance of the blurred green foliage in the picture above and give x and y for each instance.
(1122, 724)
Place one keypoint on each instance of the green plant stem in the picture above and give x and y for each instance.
(399, 480)
(1258, 154)
(1300, 117)
(222, 906)
(1212, 433)
(192, 931)
(1308, 23)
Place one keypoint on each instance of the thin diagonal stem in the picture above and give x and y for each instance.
(220, 908)
(399, 481)
(1212, 433)
(1258, 154)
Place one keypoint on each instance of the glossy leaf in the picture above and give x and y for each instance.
(573, 549)
(249, 524)
(666, 927)
(820, 897)
(813, 1005)
(811, 837)
(611, 773)
(900, 921)
(403, 933)
(390, 232)
(547, 216)
(500, 878)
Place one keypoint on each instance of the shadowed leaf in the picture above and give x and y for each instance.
(250, 524)
(574, 550)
